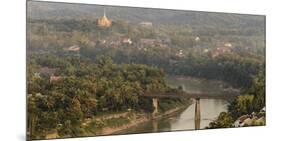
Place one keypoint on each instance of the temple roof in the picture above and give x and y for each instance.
(104, 21)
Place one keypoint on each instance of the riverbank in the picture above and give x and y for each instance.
(130, 120)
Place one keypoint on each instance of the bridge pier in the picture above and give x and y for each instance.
(197, 117)
(155, 107)
(155, 125)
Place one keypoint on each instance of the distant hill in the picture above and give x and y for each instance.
(49, 10)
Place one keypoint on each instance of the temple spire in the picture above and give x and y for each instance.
(104, 21)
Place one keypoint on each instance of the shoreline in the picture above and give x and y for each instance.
(143, 117)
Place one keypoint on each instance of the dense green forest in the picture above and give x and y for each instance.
(87, 90)
(236, 69)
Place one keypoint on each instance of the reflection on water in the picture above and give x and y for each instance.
(210, 108)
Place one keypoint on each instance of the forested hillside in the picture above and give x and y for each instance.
(49, 10)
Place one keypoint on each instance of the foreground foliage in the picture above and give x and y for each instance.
(87, 90)
(250, 103)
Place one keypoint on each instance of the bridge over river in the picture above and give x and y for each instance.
(201, 95)
(228, 95)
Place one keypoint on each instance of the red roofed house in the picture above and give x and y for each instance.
(55, 78)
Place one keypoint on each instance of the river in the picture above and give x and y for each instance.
(184, 120)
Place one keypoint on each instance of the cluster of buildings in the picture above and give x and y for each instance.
(146, 43)
(116, 42)
(221, 48)
(253, 119)
(49, 72)
(141, 44)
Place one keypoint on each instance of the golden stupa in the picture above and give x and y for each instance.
(104, 21)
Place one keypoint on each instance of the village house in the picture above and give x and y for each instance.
(224, 44)
(197, 39)
(127, 41)
(240, 121)
(146, 24)
(55, 78)
(219, 51)
(180, 54)
(74, 48)
(228, 45)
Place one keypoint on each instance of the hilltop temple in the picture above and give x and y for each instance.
(104, 21)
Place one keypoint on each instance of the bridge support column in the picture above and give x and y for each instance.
(197, 117)
(155, 107)
(155, 125)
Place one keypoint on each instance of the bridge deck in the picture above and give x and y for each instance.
(201, 95)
